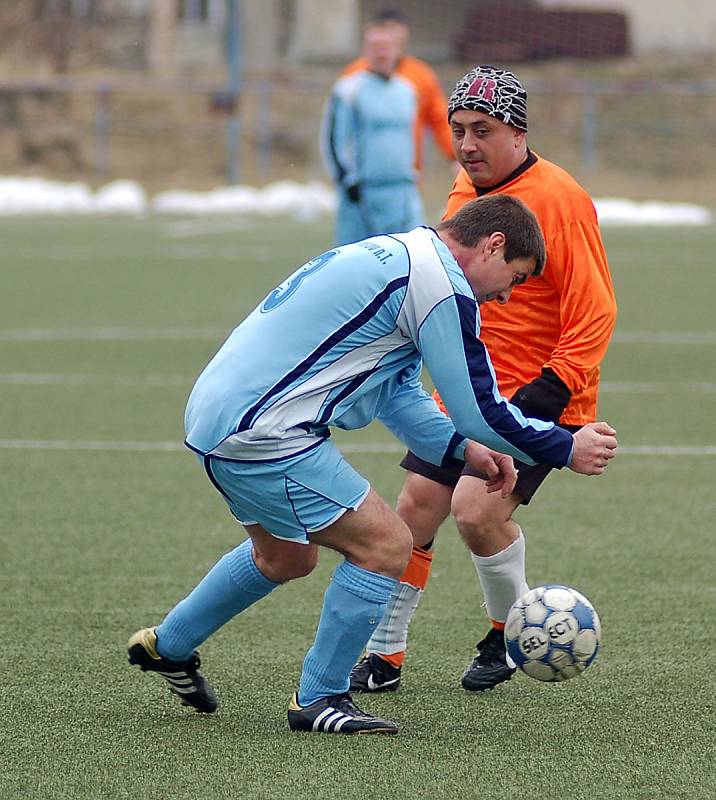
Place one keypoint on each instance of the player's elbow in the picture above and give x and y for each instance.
(611, 312)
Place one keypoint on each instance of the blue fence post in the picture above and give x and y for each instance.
(233, 123)
(264, 132)
(102, 123)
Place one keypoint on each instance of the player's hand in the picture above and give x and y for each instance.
(594, 446)
(499, 469)
(353, 193)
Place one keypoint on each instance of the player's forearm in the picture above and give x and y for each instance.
(416, 421)
(460, 367)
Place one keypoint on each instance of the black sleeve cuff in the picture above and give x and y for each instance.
(544, 398)
(450, 459)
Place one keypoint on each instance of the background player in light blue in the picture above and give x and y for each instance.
(368, 143)
(342, 342)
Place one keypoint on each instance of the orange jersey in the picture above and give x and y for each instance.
(564, 318)
(432, 104)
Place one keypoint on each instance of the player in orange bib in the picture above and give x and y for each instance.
(546, 345)
(432, 103)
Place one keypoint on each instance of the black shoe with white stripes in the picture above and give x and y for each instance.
(374, 674)
(335, 714)
(183, 677)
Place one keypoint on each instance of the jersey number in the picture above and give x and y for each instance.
(281, 293)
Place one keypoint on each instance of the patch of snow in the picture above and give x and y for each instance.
(305, 202)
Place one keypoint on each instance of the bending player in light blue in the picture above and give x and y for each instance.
(368, 144)
(342, 342)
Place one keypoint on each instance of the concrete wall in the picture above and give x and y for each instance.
(324, 30)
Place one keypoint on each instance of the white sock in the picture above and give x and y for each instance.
(502, 578)
(391, 635)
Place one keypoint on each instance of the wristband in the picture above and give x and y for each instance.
(544, 398)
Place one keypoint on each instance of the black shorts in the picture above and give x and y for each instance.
(529, 478)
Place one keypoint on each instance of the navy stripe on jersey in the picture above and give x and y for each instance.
(335, 338)
(232, 460)
(548, 447)
(210, 473)
(348, 389)
(332, 146)
(448, 458)
(292, 504)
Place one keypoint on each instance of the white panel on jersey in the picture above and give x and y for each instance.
(270, 434)
(429, 282)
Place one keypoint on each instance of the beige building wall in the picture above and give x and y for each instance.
(324, 29)
(684, 26)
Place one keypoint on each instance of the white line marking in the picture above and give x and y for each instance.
(668, 450)
(83, 378)
(88, 254)
(178, 230)
(655, 388)
(364, 448)
(107, 334)
(664, 337)
(122, 333)
(74, 444)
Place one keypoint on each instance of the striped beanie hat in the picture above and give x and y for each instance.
(492, 91)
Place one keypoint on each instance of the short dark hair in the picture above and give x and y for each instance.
(384, 15)
(506, 214)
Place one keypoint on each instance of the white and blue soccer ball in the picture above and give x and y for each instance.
(552, 633)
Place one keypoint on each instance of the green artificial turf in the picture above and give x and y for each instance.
(103, 326)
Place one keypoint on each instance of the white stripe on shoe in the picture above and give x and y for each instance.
(319, 719)
(340, 724)
(332, 719)
(179, 682)
(183, 689)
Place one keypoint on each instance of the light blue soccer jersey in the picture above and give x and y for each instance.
(368, 140)
(342, 342)
(367, 135)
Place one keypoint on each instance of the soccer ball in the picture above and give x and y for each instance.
(552, 633)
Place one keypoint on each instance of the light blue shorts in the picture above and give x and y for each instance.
(293, 497)
(391, 208)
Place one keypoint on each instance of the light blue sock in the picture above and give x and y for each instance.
(231, 585)
(352, 607)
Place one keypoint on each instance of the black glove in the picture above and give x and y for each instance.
(544, 398)
(353, 193)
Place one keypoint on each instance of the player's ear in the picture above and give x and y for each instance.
(495, 241)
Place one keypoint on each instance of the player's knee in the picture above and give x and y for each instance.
(474, 521)
(390, 557)
(300, 568)
(421, 510)
(283, 567)
(400, 550)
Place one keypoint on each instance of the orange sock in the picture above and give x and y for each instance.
(396, 659)
(499, 625)
(416, 574)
